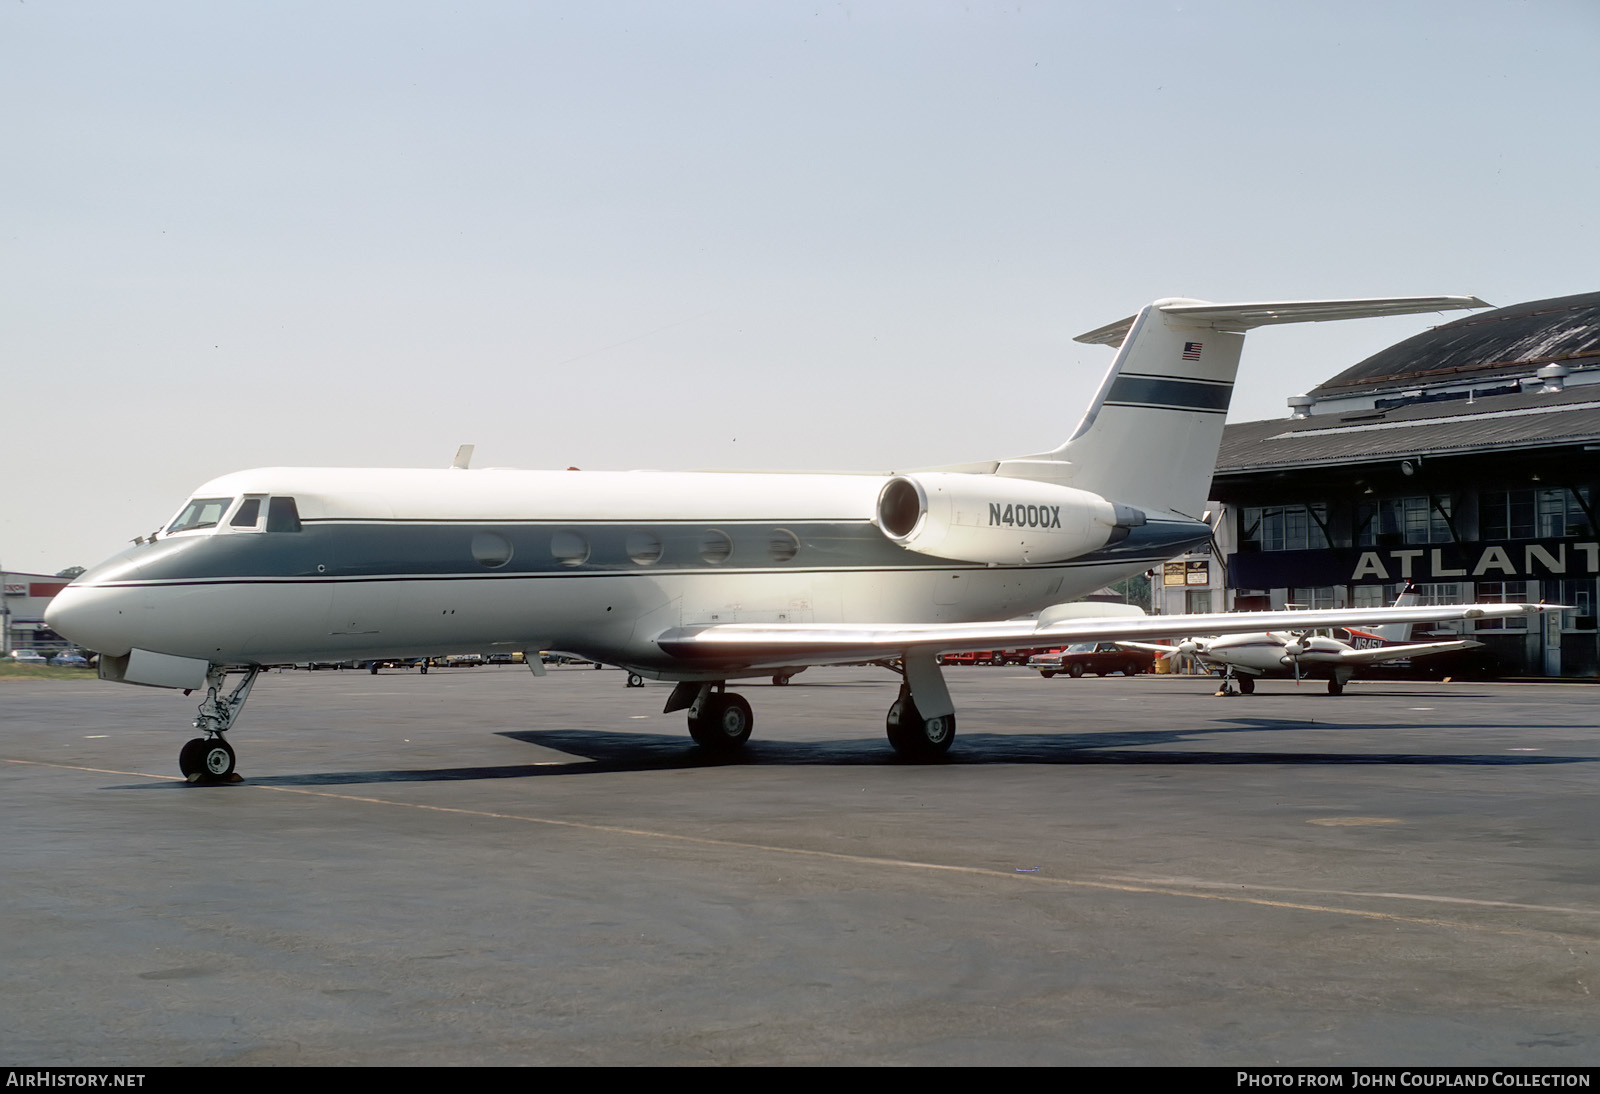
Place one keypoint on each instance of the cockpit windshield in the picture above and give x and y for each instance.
(200, 513)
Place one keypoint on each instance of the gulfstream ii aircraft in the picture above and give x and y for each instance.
(704, 577)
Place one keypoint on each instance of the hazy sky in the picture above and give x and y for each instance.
(696, 234)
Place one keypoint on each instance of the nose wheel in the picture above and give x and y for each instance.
(209, 759)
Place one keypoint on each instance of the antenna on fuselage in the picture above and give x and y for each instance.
(463, 457)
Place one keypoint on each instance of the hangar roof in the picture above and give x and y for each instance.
(1454, 427)
(1516, 340)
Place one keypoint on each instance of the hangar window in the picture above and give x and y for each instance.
(1440, 592)
(1395, 521)
(283, 515)
(1284, 527)
(1313, 598)
(569, 548)
(1564, 512)
(1502, 592)
(200, 513)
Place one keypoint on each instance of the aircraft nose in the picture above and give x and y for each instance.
(89, 617)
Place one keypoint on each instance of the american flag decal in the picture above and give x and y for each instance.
(1191, 351)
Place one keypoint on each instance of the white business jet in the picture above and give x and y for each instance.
(702, 577)
(1333, 656)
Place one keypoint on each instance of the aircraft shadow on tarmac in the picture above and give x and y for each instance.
(605, 751)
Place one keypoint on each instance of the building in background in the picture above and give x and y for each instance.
(22, 612)
(1465, 459)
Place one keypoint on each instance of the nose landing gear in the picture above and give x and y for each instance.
(210, 758)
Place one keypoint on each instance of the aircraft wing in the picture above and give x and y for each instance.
(1380, 654)
(756, 646)
(1152, 647)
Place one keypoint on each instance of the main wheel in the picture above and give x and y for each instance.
(1334, 686)
(1075, 671)
(780, 681)
(723, 724)
(915, 737)
(635, 680)
(1247, 685)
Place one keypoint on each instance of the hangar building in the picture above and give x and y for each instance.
(1465, 459)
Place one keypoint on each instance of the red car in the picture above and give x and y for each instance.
(1100, 658)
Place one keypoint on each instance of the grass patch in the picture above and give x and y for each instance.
(11, 670)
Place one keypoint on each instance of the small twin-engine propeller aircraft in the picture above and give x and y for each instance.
(703, 577)
(1333, 655)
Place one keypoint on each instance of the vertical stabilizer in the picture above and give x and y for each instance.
(1151, 434)
(1397, 632)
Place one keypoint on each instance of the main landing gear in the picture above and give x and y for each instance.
(210, 758)
(720, 721)
(921, 722)
(1247, 683)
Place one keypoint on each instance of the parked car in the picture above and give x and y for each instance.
(70, 659)
(1100, 658)
(28, 657)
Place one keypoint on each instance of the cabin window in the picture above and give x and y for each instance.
(249, 514)
(715, 547)
(569, 548)
(644, 548)
(491, 549)
(200, 513)
(783, 545)
(282, 515)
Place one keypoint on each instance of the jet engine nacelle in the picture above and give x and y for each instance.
(1003, 521)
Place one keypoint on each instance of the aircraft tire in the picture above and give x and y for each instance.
(217, 760)
(1334, 687)
(635, 680)
(191, 757)
(781, 681)
(1075, 671)
(916, 738)
(723, 724)
(1247, 685)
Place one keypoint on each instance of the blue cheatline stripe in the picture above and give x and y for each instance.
(359, 550)
(1159, 391)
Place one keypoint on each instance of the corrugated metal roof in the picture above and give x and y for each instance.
(1504, 422)
(1563, 330)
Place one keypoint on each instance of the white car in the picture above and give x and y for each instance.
(28, 657)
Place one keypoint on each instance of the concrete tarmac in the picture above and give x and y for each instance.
(479, 867)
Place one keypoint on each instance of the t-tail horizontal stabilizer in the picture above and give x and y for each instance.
(1150, 436)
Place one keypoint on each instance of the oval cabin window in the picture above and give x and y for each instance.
(491, 549)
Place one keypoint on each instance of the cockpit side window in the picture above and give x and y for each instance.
(200, 513)
(282, 515)
(248, 515)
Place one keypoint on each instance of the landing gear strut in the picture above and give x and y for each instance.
(210, 758)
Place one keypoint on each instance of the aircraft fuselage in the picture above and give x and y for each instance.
(408, 563)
